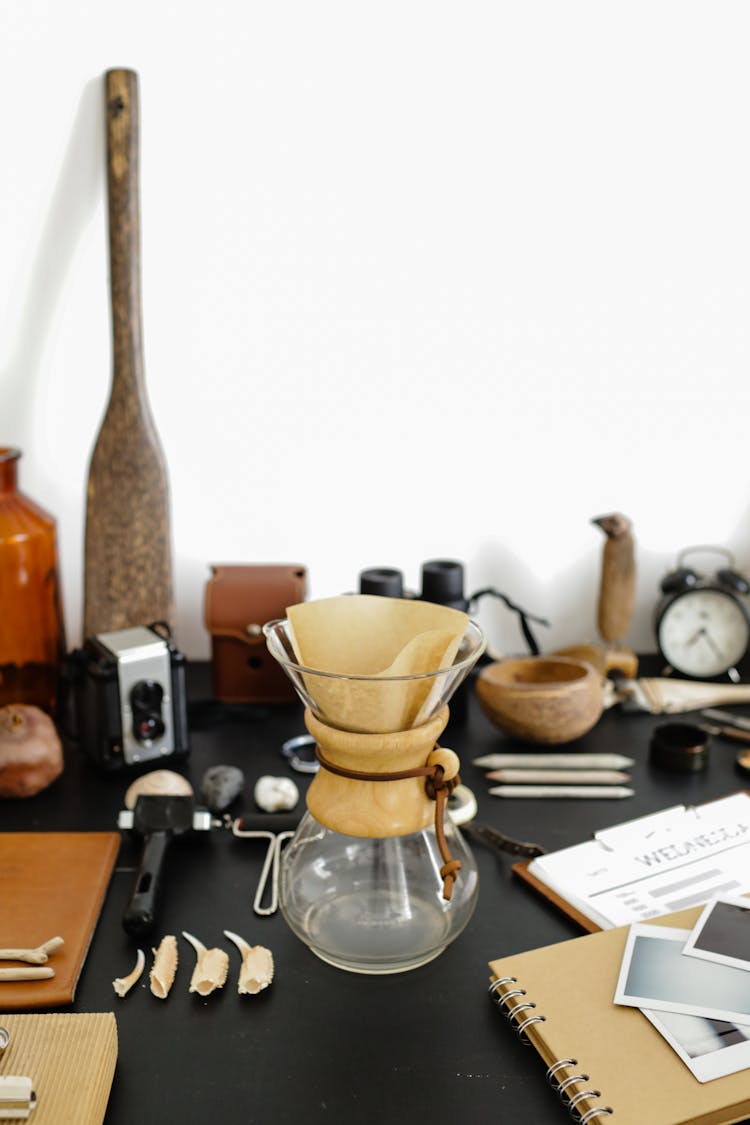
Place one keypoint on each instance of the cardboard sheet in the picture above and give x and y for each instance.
(70, 1058)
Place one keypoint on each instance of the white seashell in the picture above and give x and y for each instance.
(256, 970)
(123, 985)
(158, 783)
(211, 967)
(274, 794)
(165, 967)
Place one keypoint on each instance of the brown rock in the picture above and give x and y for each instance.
(31, 754)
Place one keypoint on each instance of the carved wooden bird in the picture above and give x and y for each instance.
(617, 585)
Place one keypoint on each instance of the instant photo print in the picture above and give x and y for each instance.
(655, 975)
(722, 933)
(709, 1048)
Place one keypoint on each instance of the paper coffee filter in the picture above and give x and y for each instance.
(367, 635)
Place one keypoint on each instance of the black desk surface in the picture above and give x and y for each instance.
(322, 1045)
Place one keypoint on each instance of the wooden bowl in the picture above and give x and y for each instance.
(541, 699)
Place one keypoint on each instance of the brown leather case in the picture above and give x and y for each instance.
(239, 600)
(52, 884)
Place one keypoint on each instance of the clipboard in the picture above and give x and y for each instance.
(522, 869)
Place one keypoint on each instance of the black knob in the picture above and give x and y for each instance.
(443, 583)
(382, 580)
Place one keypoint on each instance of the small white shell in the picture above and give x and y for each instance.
(211, 967)
(123, 985)
(256, 970)
(274, 794)
(165, 967)
(158, 783)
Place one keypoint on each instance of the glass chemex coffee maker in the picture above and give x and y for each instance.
(377, 878)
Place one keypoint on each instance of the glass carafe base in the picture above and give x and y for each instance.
(347, 931)
(374, 906)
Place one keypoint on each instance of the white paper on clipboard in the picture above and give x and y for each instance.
(658, 864)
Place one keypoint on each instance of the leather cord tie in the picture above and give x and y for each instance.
(437, 788)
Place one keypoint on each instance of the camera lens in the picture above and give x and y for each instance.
(149, 729)
(146, 700)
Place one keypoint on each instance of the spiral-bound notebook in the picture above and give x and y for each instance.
(607, 1062)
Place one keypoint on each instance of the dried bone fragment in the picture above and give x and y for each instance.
(211, 967)
(165, 966)
(36, 956)
(256, 970)
(35, 973)
(123, 985)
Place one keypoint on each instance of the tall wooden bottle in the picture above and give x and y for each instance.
(128, 558)
(32, 636)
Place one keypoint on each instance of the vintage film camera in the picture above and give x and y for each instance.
(127, 695)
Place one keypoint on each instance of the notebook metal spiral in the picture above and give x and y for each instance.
(560, 1085)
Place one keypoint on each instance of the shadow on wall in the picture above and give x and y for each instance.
(191, 634)
(73, 203)
(568, 600)
(74, 199)
(497, 566)
(574, 592)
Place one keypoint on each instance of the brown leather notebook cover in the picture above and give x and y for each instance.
(51, 884)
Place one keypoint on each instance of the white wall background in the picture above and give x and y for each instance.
(420, 279)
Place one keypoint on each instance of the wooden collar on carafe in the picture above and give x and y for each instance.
(441, 778)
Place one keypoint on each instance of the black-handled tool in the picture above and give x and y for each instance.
(158, 820)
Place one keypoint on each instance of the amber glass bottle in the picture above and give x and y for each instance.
(32, 637)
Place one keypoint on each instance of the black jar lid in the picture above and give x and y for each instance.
(679, 747)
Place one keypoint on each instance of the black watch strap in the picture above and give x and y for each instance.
(504, 843)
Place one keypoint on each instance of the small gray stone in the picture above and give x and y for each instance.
(220, 785)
